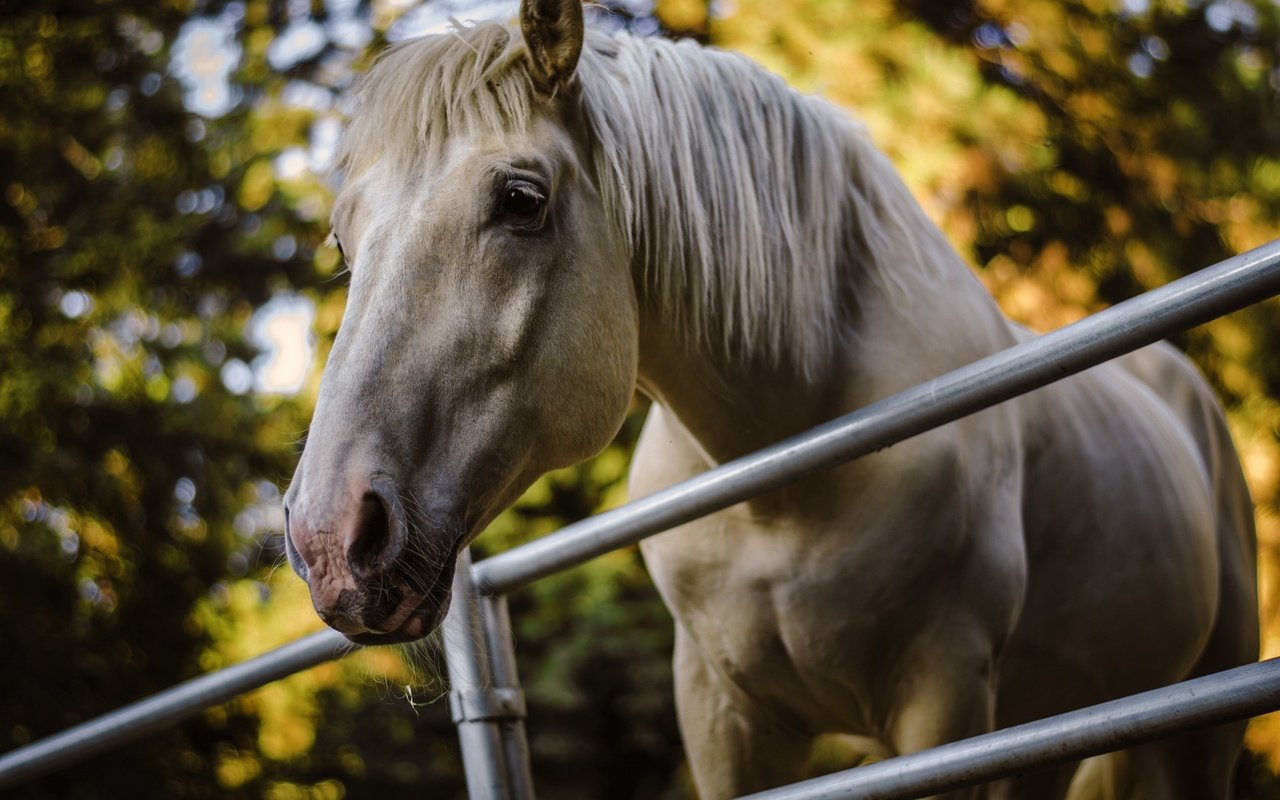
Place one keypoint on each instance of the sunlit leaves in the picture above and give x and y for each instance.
(1077, 152)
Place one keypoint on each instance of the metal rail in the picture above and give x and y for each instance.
(485, 699)
(1223, 697)
(159, 711)
(1194, 299)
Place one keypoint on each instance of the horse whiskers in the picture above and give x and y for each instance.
(414, 580)
(424, 659)
(417, 512)
(279, 557)
(278, 562)
(426, 549)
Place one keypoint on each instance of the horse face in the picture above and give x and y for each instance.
(489, 336)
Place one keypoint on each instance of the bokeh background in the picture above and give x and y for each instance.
(166, 301)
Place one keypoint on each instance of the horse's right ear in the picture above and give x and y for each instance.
(553, 31)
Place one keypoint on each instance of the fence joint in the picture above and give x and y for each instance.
(476, 705)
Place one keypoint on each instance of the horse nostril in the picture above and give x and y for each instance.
(379, 531)
(295, 558)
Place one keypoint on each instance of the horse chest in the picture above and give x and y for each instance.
(815, 598)
(816, 617)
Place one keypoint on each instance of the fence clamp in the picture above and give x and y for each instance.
(479, 705)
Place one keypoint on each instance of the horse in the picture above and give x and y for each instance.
(540, 220)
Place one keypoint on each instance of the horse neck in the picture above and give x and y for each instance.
(732, 406)
(899, 304)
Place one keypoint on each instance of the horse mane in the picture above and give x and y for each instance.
(754, 213)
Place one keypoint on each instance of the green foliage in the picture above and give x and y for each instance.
(1077, 152)
(126, 277)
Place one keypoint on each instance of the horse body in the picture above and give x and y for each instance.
(532, 238)
(1075, 545)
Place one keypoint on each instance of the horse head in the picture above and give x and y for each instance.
(490, 331)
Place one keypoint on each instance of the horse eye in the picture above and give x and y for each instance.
(522, 202)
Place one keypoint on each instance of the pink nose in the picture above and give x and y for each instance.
(339, 553)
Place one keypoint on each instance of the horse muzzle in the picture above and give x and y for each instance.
(376, 574)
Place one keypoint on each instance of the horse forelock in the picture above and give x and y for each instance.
(753, 213)
(422, 91)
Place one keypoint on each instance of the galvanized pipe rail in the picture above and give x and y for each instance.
(1189, 301)
(167, 708)
(485, 699)
(1223, 697)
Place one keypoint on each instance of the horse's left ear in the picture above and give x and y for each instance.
(553, 31)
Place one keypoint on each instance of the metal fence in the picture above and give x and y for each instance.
(486, 701)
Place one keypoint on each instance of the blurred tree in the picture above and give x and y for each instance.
(1077, 152)
(128, 443)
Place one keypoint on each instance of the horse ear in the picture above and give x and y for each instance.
(553, 31)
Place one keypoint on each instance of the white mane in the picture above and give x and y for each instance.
(753, 212)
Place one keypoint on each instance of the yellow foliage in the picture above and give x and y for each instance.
(914, 108)
(324, 790)
(682, 15)
(152, 159)
(80, 158)
(327, 260)
(351, 760)
(247, 618)
(1021, 219)
(157, 388)
(1261, 459)
(257, 186)
(279, 127)
(234, 768)
(99, 538)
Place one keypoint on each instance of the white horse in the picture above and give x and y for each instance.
(536, 225)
